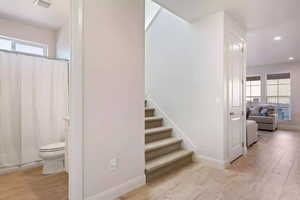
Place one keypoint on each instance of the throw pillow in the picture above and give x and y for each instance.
(264, 112)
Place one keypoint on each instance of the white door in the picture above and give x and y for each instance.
(236, 121)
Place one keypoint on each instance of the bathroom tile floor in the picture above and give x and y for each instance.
(30, 184)
(270, 171)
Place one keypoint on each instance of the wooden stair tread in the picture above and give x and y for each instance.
(157, 130)
(149, 109)
(149, 119)
(161, 143)
(165, 160)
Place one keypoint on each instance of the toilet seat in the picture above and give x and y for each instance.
(53, 157)
(53, 147)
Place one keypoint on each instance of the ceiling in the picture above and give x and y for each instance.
(264, 19)
(53, 17)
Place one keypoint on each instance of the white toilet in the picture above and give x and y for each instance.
(53, 156)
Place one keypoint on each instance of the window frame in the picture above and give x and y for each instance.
(15, 41)
(251, 97)
(290, 97)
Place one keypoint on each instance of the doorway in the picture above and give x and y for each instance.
(35, 52)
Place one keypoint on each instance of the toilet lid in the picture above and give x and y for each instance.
(53, 147)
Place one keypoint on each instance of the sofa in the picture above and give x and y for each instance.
(265, 116)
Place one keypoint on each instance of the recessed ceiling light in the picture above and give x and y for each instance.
(277, 38)
(291, 58)
(42, 3)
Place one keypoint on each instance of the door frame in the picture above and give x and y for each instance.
(75, 138)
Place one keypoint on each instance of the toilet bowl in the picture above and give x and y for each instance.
(53, 157)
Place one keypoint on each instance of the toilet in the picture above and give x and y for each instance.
(53, 157)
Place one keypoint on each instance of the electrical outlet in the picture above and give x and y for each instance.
(113, 164)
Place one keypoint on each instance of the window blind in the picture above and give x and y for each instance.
(278, 76)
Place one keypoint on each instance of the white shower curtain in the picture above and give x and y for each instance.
(37, 93)
(10, 138)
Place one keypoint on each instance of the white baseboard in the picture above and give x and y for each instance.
(6, 170)
(177, 132)
(211, 162)
(288, 127)
(114, 193)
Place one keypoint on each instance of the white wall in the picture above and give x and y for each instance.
(151, 9)
(18, 30)
(184, 76)
(113, 96)
(294, 69)
(63, 45)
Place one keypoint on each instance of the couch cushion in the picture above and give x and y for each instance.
(262, 119)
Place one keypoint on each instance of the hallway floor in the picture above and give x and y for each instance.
(30, 184)
(270, 171)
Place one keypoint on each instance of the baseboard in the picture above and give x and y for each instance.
(114, 193)
(7, 170)
(177, 132)
(211, 162)
(288, 127)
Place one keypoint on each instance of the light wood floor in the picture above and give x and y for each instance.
(270, 171)
(30, 184)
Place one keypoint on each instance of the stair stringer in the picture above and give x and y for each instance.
(186, 141)
(168, 122)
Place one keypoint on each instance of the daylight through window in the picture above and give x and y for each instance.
(279, 93)
(253, 89)
(15, 45)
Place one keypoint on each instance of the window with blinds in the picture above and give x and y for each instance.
(253, 89)
(279, 93)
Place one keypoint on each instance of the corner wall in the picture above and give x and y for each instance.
(294, 69)
(184, 76)
(113, 95)
(63, 42)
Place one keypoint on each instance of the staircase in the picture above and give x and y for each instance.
(163, 152)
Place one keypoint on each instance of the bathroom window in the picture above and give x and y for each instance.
(279, 94)
(253, 89)
(5, 44)
(27, 47)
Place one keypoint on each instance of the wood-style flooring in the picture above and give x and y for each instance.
(30, 184)
(270, 171)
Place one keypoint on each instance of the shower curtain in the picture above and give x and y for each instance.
(33, 103)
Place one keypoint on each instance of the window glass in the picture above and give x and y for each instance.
(16, 45)
(272, 82)
(248, 91)
(255, 82)
(253, 89)
(284, 90)
(29, 49)
(272, 100)
(284, 100)
(279, 94)
(5, 44)
(284, 81)
(272, 90)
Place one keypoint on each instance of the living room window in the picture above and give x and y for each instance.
(253, 89)
(27, 47)
(279, 94)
